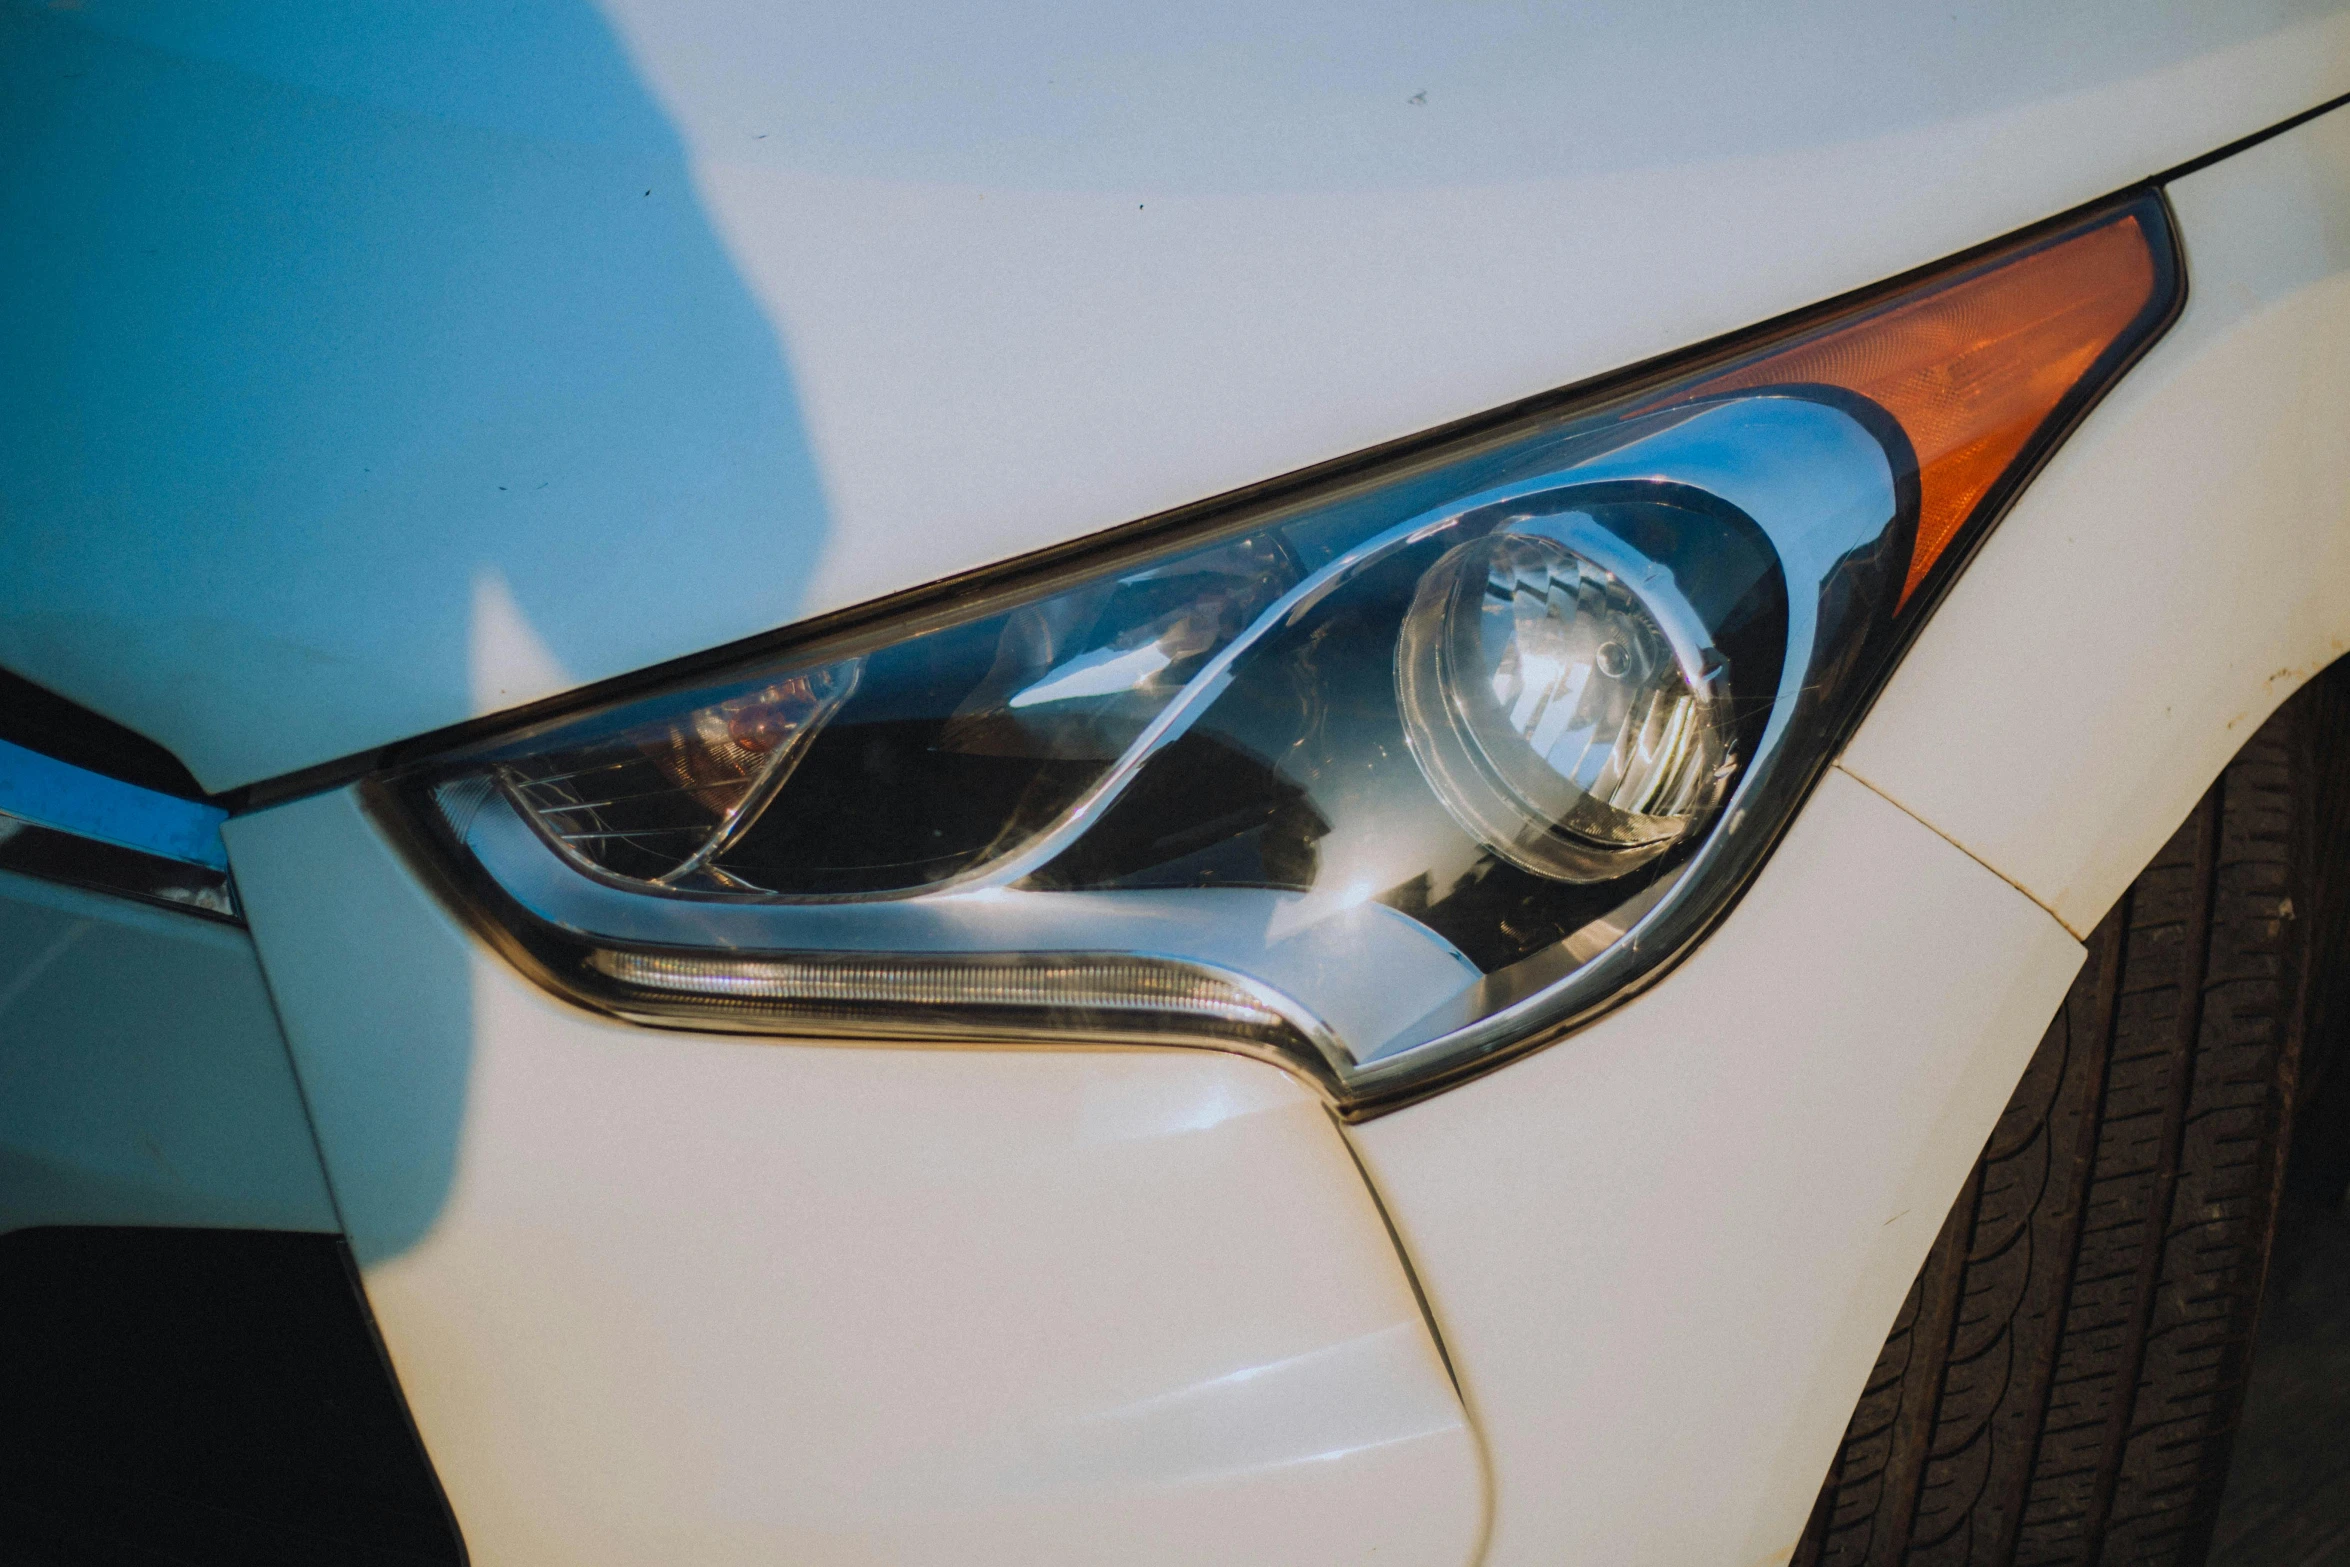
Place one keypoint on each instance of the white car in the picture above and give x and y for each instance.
(849, 784)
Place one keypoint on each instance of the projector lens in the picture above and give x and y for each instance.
(1554, 712)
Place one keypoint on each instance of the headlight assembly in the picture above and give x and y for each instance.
(1388, 778)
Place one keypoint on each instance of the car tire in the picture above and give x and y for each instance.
(2062, 1383)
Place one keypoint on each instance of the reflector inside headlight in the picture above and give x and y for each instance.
(1386, 780)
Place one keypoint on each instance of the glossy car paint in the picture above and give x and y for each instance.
(368, 373)
(656, 1296)
(667, 1297)
(2179, 570)
(1664, 1252)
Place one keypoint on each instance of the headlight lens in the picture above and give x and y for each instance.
(1387, 780)
(1553, 713)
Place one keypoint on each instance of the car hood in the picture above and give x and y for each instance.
(365, 377)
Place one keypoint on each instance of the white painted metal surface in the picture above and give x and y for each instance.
(142, 1077)
(661, 1297)
(1664, 1252)
(371, 373)
(2180, 568)
(396, 384)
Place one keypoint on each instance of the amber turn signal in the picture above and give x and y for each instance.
(1982, 365)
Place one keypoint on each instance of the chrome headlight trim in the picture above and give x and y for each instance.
(1825, 476)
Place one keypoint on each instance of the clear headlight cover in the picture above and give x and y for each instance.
(1387, 778)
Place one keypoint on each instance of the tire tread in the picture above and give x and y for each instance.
(2061, 1385)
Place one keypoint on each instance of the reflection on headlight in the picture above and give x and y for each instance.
(1386, 781)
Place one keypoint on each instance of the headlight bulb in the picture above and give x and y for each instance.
(1569, 713)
